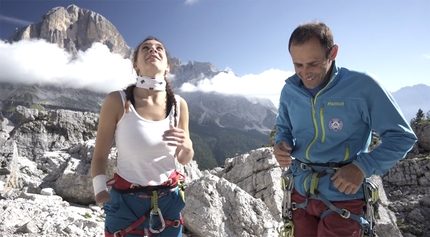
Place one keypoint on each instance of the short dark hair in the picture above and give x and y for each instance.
(318, 30)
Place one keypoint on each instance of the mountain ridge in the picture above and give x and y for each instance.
(412, 98)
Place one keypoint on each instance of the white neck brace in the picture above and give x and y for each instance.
(151, 83)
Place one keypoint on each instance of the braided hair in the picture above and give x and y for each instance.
(170, 98)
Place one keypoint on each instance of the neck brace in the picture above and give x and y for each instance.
(151, 83)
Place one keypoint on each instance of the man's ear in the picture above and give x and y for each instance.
(333, 52)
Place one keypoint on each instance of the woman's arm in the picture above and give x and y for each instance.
(110, 113)
(185, 151)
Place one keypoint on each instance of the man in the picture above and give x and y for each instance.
(326, 115)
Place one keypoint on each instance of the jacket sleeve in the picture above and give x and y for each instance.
(384, 116)
(283, 124)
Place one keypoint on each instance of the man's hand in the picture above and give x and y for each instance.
(102, 197)
(282, 154)
(348, 179)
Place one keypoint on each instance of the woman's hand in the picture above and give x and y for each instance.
(179, 138)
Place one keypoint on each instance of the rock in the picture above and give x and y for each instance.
(75, 29)
(47, 191)
(225, 210)
(422, 130)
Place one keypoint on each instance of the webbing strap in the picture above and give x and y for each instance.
(313, 193)
(154, 201)
(155, 210)
(300, 205)
(144, 232)
(342, 212)
(132, 226)
(314, 183)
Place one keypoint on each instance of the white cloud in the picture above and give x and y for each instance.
(427, 55)
(190, 2)
(43, 63)
(97, 69)
(15, 20)
(268, 84)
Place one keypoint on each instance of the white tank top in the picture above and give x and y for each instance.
(143, 157)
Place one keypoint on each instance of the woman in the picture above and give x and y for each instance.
(150, 127)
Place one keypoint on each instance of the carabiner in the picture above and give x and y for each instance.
(151, 221)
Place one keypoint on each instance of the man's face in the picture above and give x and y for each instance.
(311, 63)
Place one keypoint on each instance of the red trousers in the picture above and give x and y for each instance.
(308, 223)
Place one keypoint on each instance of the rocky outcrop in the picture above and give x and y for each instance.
(75, 29)
(407, 186)
(39, 131)
(422, 130)
(242, 198)
(217, 208)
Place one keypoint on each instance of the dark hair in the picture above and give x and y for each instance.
(318, 30)
(170, 98)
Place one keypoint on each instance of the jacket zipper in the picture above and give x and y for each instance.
(346, 153)
(313, 102)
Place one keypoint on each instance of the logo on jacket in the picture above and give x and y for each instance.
(335, 124)
(335, 103)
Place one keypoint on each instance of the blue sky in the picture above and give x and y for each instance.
(389, 38)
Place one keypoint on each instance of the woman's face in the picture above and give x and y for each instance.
(151, 59)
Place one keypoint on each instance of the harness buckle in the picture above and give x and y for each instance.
(117, 233)
(133, 186)
(346, 214)
(303, 166)
(176, 223)
(293, 206)
(151, 221)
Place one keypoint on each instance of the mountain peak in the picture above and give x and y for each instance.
(75, 29)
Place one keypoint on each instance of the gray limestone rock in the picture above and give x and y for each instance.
(75, 29)
(422, 130)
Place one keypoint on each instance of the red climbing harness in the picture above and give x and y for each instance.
(123, 186)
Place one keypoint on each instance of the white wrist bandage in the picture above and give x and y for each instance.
(99, 184)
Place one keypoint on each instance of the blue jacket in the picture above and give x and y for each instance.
(336, 125)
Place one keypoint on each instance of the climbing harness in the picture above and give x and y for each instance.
(154, 193)
(371, 193)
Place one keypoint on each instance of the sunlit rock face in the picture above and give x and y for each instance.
(75, 29)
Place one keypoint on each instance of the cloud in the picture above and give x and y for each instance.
(15, 20)
(42, 63)
(190, 2)
(38, 62)
(268, 84)
(427, 55)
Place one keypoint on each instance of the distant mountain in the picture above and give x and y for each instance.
(75, 29)
(412, 98)
(229, 111)
(49, 97)
(221, 126)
